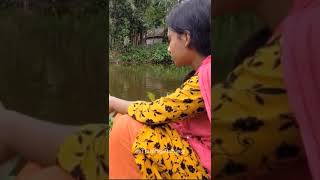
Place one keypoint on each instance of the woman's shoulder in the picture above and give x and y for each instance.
(193, 82)
(266, 57)
(194, 79)
(263, 67)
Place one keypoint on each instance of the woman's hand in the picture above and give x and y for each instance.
(118, 105)
(111, 106)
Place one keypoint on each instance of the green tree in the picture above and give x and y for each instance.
(132, 18)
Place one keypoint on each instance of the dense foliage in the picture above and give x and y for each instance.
(153, 54)
(129, 23)
(129, 20)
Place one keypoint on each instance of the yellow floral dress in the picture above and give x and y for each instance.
(159, 151)
(84, 154)
(253, 127)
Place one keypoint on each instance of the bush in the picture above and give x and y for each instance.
(153, 54)
(134, 54)
(160, 54)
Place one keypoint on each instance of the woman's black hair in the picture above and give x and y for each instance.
(254, 42)
(193, 17)
(189, 75)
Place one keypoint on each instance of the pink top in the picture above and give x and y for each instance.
(197, 130)
(301, 62)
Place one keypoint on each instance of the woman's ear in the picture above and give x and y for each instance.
(187, 38)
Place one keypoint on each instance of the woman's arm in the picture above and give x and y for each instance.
(35, 140)
(118, 105)
(184, 102)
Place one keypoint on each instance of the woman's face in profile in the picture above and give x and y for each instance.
(178, 49)
(232, 7)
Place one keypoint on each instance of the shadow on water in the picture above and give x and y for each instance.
(132, 82)
(54, 68)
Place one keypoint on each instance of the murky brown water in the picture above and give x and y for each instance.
(132, 82)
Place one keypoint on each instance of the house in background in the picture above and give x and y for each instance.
(155, 36)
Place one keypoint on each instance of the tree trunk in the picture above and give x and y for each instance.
(141, 36)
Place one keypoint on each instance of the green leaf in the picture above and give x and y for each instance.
(151, 96)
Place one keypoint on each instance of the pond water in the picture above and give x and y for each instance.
(132, 82)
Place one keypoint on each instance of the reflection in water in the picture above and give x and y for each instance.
(132, 82)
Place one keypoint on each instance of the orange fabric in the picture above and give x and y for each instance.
(122, 135)
(33, 171)
(29, 170)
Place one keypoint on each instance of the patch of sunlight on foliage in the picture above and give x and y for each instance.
(111, 116)
(151, 96)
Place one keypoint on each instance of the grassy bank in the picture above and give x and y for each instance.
(156, 54)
